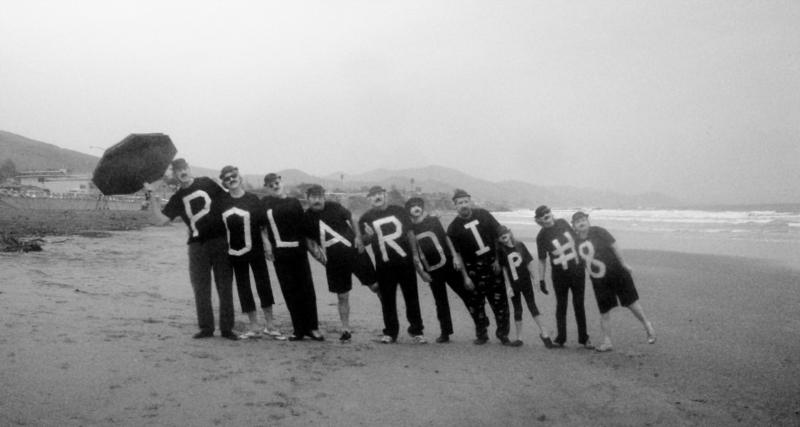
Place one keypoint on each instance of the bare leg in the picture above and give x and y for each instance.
(605, 327)
(636, 309)
(518, 325)
(344, 310)
(542, 331)
(252, 317)
(268, 320)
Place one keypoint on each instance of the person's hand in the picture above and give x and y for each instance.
(374, 288)
(469, 285)
(425, 276)
(321, 256)
(543, 287)
(360, 246)
(496, 267)
(458, 264)
(369, 231)
(269, 255)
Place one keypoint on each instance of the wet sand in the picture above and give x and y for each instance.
(97, 331)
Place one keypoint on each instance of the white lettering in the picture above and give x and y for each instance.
(194, 217)
(564, 254)
(442, 258)
(325, 230)
(514, 261)
(597, 268)
(278, 241)
(473, 227)
(248, 239)
(388, 239)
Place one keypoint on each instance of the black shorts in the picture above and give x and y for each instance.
(615, 286)
(340, 280)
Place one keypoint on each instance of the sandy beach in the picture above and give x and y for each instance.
(97, 331)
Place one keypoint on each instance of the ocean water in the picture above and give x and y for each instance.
(766, 232)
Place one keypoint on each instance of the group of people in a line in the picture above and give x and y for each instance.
(233, 232)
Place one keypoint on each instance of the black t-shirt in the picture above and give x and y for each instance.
(432, 243)
(596, 252)
(331, 229)
(559, 242)
(515, 260)
(198, 207)
(390, 243)
(243, 218)
(475, 237)
(285, 225)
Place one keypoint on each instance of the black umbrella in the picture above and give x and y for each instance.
(139, 158)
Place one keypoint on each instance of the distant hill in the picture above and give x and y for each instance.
(30, 154)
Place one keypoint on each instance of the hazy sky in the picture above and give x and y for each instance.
(696, 99)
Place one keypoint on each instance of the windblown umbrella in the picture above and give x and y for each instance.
(139, 158)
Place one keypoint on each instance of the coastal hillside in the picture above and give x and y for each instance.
(28, 154)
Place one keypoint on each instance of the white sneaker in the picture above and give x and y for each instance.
(386, 339)
(419, 339)
(605, 346)
(274, 334)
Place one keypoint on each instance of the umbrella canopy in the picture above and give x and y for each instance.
(139, 158)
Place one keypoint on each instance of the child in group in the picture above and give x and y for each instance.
(611, 276)
(519, 268)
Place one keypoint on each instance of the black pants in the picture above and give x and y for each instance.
(205, 258)
(563, 284)
(447, 275)
(389, 277)
(294, 277)
(241, 269)
(491, 287)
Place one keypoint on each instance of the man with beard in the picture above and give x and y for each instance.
(442, 266)
(197, 202)
(388, 230)
(474, 234)
(341, 250)
(556, 240)
(287, 237)
(244, 217)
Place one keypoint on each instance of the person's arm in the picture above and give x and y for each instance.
(316, 251)
(542, 269)
(622, 262)
(356, 230)
(154, 207)
(458, 264)
(268, 254)
(412, 242)
(532, 270)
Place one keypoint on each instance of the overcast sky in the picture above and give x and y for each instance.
(696, 99)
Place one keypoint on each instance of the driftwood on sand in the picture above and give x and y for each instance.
(12, 244)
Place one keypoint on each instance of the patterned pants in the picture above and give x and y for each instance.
(490, 286)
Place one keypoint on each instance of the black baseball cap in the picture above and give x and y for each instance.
(579, 215)
(375, 189)
(542, 211)
(415, 201)
(459, 193)
(315, 190)
(271, 177)
(226, 170)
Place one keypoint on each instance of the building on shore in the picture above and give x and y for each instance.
(57, 181)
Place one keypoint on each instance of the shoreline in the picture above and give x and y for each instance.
(98, 331)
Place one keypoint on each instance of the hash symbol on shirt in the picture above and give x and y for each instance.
(566, 253)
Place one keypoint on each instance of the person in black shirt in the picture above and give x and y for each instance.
(474, 234)
(556, 240)
(519, 268)
(244, 217)
(288, 241)
(197, 202)
(340, 249)
(611, 276)
(387, 228)
(442, 266)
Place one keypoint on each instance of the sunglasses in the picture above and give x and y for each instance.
(227, 178)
